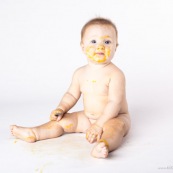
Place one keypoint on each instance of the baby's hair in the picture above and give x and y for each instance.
(98, 21)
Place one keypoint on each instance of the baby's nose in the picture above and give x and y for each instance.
(100, 47)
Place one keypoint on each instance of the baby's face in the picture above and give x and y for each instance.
(99, 43)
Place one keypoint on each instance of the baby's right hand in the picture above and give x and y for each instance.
(56, 115)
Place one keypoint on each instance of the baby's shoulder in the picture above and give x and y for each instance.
(79, 71)
(115, 71)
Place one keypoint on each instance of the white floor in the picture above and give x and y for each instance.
(147, 148)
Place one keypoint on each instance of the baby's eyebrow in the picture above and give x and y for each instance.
(104, 37)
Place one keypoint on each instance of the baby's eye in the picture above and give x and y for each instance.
(93, 41)
(107, 42)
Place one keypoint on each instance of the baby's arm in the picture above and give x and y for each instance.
(68, 100)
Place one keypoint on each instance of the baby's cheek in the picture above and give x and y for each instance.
(107, 52)
(90, 51)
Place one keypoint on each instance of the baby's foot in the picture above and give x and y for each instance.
(23, 133)
(100, 150)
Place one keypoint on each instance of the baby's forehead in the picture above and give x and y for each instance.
(99, 26)
(104, 30)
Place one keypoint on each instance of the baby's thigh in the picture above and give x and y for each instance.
(125, 118)
(74, 122)
(83, 122)
(119, 124)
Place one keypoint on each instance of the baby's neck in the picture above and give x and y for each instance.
(93, 66)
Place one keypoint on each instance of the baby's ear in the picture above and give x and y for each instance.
(116, 46)
(82, 46)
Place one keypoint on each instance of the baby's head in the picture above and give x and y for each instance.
(99, 40)
(99, 22)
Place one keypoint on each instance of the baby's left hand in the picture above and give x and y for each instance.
(94, 133)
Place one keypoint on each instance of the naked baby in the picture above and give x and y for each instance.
(105, 119)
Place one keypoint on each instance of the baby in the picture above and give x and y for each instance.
(105, 119)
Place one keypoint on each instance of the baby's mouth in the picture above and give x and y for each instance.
(99, 53)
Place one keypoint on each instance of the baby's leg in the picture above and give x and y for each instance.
(69, 123)
(32, 134)
(113, 132)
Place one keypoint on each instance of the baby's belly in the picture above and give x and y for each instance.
(94, 105)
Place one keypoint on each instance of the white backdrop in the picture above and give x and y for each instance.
(40, 49)
(39, 45)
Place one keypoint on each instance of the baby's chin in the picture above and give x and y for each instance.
(99, 60)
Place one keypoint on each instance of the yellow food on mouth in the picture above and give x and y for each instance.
(96, 56)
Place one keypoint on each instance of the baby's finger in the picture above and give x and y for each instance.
(92, 138)
(57, 114)
(52, 117)
(59, 117)
(98, 137)
(87, 134)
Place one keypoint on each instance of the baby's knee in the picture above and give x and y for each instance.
(67, 125)
(121, 126)
(117, 125)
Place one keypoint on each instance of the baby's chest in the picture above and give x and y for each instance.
(95, 85)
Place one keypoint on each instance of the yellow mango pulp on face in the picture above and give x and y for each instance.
(90, 51)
